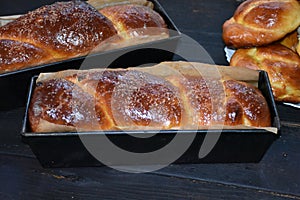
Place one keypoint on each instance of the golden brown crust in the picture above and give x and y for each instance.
(205, 98)
(140, 99)
(261, 22)
(134, 20)
(223, 102)
(114, 99)
(282, 65)
(64, 29)
(13, 55)
(248, 99)
(61, 102)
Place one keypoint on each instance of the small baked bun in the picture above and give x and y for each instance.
(282, 65)
(261, 22)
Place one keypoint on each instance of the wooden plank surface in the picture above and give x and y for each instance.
(277, 172)
(23, 179)
(277, 176)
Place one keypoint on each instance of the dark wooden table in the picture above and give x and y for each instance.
(277, 176)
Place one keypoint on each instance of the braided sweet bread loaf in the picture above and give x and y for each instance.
(65, 30)
(170, 95)
(261, 22)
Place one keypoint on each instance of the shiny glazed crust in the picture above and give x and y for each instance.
(14, 54)
(65, 30)
(261, 22)
(133, 99)
(282, 65)
(141, 18)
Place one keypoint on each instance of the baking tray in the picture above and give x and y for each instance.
(233, 145)
(14, 85)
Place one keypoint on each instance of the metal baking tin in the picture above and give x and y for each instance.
(233, 146)
(14, 84)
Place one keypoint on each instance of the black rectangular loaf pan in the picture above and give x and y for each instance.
(231, 145)
(14, 85)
